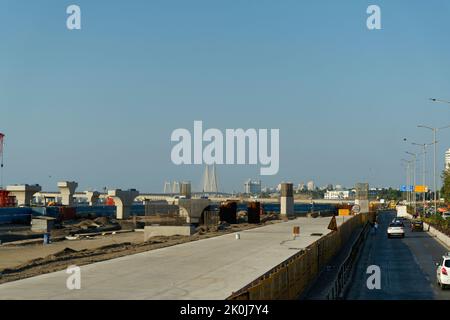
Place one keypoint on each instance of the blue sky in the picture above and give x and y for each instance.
(98, 105)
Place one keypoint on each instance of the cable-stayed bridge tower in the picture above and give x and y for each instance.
(210, 184)
(172, 187)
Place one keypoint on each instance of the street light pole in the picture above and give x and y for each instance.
(408, 177)
(435, 130)
(439, 100)
(424, 179)
(414, 180)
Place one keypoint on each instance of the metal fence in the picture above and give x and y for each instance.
(346, 270)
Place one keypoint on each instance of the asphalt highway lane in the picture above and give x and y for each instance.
(408, 266)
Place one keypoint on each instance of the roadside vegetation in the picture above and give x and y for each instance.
(436, 220)
(441, 224)
(445, 191)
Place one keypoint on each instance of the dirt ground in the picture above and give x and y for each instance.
(24, 261)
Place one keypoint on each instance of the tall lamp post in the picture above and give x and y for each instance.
(408, 177)
(414, 155)
(424, 179)
(434, 130)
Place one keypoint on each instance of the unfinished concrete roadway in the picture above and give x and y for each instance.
(206, 269)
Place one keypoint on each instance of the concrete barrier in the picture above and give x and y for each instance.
(167, 231)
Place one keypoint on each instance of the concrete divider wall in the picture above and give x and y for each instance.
(290, 279)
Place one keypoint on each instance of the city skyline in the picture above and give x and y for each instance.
(98, 105)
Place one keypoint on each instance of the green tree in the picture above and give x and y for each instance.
(445, 191)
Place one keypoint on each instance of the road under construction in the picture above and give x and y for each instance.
(213, 268)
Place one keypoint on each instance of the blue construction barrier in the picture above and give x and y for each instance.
(23, 215)
(15, 215)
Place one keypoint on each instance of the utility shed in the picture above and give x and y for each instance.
(42, 224)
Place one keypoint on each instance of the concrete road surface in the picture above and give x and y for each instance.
(407, 266)
(207, 269)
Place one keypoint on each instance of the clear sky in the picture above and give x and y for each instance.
(98, 105)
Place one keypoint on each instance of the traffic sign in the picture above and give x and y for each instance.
(333, 224)
(421, 189)
(356, 209)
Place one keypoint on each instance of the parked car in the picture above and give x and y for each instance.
(446, 215)
(443, 272)
(416, 225)
(396, 230)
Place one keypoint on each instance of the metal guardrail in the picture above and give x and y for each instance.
(346, 269)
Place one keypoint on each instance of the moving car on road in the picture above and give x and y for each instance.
(398, 221)
(443, 272)
(416, 225)
(396, 229)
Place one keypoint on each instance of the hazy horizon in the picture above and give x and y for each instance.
(98, 105)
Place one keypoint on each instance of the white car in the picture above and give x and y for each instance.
(398, 220)
(443, 272)
(396, 230)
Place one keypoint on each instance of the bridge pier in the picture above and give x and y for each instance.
(23, 193)
(123, 201)
(185, 190)
(92, 197)
(192, 209)
(287, 199)
(67, 190)
(362, 197)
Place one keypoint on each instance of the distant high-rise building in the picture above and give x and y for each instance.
(252, 186)
(447, 159)
(301, 187)
(337, 195)
(311, 186)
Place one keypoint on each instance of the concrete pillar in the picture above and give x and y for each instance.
(185, 189)
(192, 209)
(123, 201)
(92, 197)
(23, 193)
(67, 190)
(362, 197)
(287, 199)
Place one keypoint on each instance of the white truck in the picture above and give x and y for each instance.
(402, 212)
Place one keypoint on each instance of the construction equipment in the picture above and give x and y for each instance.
(392, 204)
